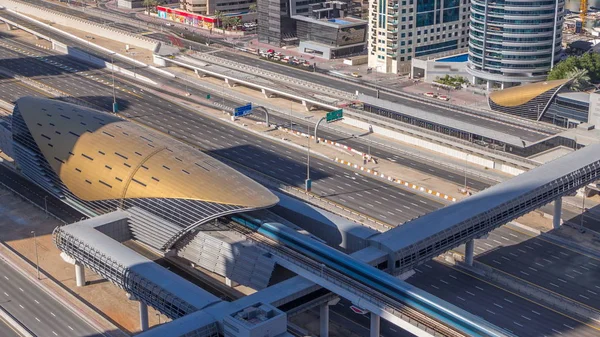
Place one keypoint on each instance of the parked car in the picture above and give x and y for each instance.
(429, 94)
(357, 75)
(168, 24)
(444, 97)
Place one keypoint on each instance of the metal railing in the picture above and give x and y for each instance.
(360, 290)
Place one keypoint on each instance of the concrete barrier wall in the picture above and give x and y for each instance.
(420, 142)
(83, 56)
(83, 25)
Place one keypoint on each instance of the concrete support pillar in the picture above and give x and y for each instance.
(143, 316)
(375, 326)
(324, 320)
(230, 83)
(556, 220)
(267, 94)
(489, 85)
(230, 283)
(8, 27)
(307, 105)
(469, 252)
(79, 274)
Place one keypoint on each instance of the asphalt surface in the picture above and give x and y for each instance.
(364, 146)
(504, 309)
(368, 195)
(542, 263)
(13, 89)
(84, 16)
(7, 331)
(512, 129)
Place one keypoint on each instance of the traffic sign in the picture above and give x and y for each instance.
(358, 310)
(334, 115)
(243, 110)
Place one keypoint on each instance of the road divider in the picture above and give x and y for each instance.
(397, 181)
(370, 171)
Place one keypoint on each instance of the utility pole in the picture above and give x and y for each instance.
(291, 125)
(115, 106)
(37, 261)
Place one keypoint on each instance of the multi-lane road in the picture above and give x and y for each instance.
(365, 194)
(371, 196)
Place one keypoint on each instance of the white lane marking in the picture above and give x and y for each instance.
(55, 334)
(5, 293)
(444, 282)
(460, 298)
(535, 312)
(435, 287)
(22, 307)
(518, 324)
(69, 327)
(480, 288)
(470, 293)
(37, 319)
(491, 312)
(51, 313)
(507, 300)
(498, 305)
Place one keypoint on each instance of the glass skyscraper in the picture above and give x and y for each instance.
(514, 41)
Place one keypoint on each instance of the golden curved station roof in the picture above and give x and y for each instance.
(522, 94)
(99, 156)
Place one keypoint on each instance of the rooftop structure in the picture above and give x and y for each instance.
(549, 101)
(98, 163)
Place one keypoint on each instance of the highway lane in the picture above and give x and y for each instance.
(365, 194)
(364, 145)
(84, 16)
(37, 310)
(7, 331)
(13, 89)
(512, 129)
(542, 263)
(523, 317)
(433, 277)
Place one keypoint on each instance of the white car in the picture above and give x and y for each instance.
(168, 24)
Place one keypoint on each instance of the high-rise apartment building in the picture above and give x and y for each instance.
(403, 29)
(514, 41)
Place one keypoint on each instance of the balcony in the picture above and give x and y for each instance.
(393, 45)
(392, 54)
(392, 23)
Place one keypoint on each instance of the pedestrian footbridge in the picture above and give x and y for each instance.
(421, 239)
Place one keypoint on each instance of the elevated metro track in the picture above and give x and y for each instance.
(394, 300)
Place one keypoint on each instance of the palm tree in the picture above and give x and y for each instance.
(235, 21)
(580, 79)
(252, 8)
(219, 18)
(148, 4)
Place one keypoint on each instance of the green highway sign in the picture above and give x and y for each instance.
(334, 115)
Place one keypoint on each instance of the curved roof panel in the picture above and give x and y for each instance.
(522, 94)
(99, 156)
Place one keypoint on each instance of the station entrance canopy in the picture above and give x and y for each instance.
(421, 239)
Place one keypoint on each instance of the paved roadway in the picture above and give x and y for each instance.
(360, 144)
(363, 145)
(499, 307)
(13, 89)
(38, 311)
(513, 128)
(366, 194)
(504, 309)
(542, 263)
(84, 16)
(7, 331)
(347, 86)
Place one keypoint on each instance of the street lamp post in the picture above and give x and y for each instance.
(308, 182)
(582, 209)
(466, 160)
(115, 107)
(46, 205)
(37, 261)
